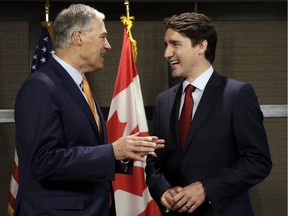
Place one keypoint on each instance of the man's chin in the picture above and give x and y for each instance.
(99, 67)
(176, 74)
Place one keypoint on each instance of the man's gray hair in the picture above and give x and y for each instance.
(77, 16)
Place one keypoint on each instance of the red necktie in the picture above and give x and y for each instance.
(186, 115)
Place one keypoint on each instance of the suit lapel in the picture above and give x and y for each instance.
(173, 99)
(174, 106)
(209, 97)
(73, 90)
(103, 134)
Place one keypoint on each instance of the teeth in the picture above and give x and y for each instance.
(174, 62)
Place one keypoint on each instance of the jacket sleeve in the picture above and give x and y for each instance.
(155, 179)
(254, 161)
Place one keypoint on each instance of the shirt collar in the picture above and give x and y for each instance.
(75, 74)
(201, 81)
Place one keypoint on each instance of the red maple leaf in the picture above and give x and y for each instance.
(115, 128)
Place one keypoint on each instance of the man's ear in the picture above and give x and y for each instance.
(202, 46)
(77, 37)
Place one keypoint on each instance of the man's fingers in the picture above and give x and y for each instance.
(143, 146)
(136, 137)
(193, 207)
(152, 154)
(138, 157)
(136, 147)
(160, 143)
(166, 200)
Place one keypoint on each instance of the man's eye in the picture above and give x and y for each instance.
(175, 44)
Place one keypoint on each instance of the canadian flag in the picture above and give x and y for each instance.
(127, 116)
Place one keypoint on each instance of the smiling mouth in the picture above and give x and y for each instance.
(174, 62)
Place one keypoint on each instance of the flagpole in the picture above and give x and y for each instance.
(48, 24)
(196, 7)
(126, 3)
(47, 8)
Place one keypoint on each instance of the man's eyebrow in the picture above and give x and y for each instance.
(174, 41)
(104, 34)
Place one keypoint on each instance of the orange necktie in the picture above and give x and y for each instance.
(87, 92)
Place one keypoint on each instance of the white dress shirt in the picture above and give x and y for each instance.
(200, 84)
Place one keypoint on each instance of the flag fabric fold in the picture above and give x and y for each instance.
(43, 53)
(127, 116)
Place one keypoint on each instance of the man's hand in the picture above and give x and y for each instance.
(135, 147)
(167, 199)
(190, 198)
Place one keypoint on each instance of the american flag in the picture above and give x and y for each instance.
(44, 48)
(43, 53)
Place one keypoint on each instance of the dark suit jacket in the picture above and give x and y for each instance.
(64, 166)
(226, 148)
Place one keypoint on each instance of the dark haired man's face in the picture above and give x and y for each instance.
(185, 60)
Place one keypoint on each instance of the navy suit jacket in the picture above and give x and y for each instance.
(226, 148)
(65, 164)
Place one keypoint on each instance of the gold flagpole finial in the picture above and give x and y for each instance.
(47, 24)
(47, 7)
(127, 8)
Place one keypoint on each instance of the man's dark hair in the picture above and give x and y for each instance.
(197, 27)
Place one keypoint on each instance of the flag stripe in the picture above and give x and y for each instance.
(15, 169)
(12, 201)
(14, 184)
